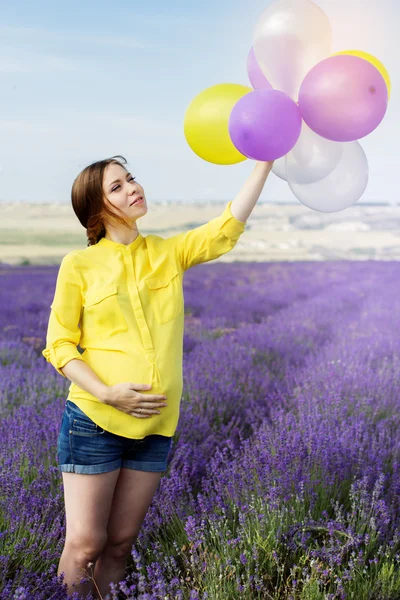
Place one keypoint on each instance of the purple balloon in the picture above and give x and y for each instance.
(343, 98)
(265, 124)
(256, 76)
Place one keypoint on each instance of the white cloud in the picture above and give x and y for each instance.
(13, 127)
(138, 125)
(35, 62)
(92, 123)
(18, 56)
(44, 34)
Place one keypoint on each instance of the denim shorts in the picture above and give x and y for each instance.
(84, 447)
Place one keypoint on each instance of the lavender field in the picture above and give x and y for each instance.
(284, 479)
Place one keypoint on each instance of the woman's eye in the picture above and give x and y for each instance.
(117, 186)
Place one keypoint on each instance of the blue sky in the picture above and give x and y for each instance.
(86, 80)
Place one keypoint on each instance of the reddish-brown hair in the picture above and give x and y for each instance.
(89, 202)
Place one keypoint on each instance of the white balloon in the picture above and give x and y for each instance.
(314, 157)
(340, 188)
(291, 37)
(279, 167)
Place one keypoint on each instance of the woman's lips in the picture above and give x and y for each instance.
(138, 201)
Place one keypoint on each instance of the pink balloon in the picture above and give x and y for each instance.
(256, 76)
(265, 124)
(343, 98)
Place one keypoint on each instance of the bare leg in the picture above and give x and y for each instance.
(88, 500)
(108, 570)
(134, 492)
(73, 567)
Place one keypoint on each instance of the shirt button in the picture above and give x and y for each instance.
(119, 254)
(97, 297)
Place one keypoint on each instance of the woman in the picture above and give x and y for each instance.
(121, 300)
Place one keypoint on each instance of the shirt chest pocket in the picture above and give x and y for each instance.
(102, 314)
(165, 294)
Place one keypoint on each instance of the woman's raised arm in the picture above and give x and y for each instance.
(246, 199)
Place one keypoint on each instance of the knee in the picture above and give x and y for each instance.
(86, 548)
(118, 551)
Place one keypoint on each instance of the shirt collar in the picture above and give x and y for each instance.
(117, 246)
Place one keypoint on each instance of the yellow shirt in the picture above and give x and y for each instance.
(124, 306)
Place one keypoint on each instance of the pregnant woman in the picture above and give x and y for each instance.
(121, 299)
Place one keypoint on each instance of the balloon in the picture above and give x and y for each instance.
(206, 123)
(279, 167)
(374, 61)
(289, 38)
(265, 124)
(256, 76)
(314, 158)
(340, 189)
(343, 98)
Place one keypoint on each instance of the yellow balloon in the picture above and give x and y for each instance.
(373, 60)
(206, 123)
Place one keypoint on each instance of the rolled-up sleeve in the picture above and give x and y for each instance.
(209, 241)
(63, 332)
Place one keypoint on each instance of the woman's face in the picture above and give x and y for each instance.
(121, 189)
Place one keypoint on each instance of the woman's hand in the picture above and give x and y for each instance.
(127, 398)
